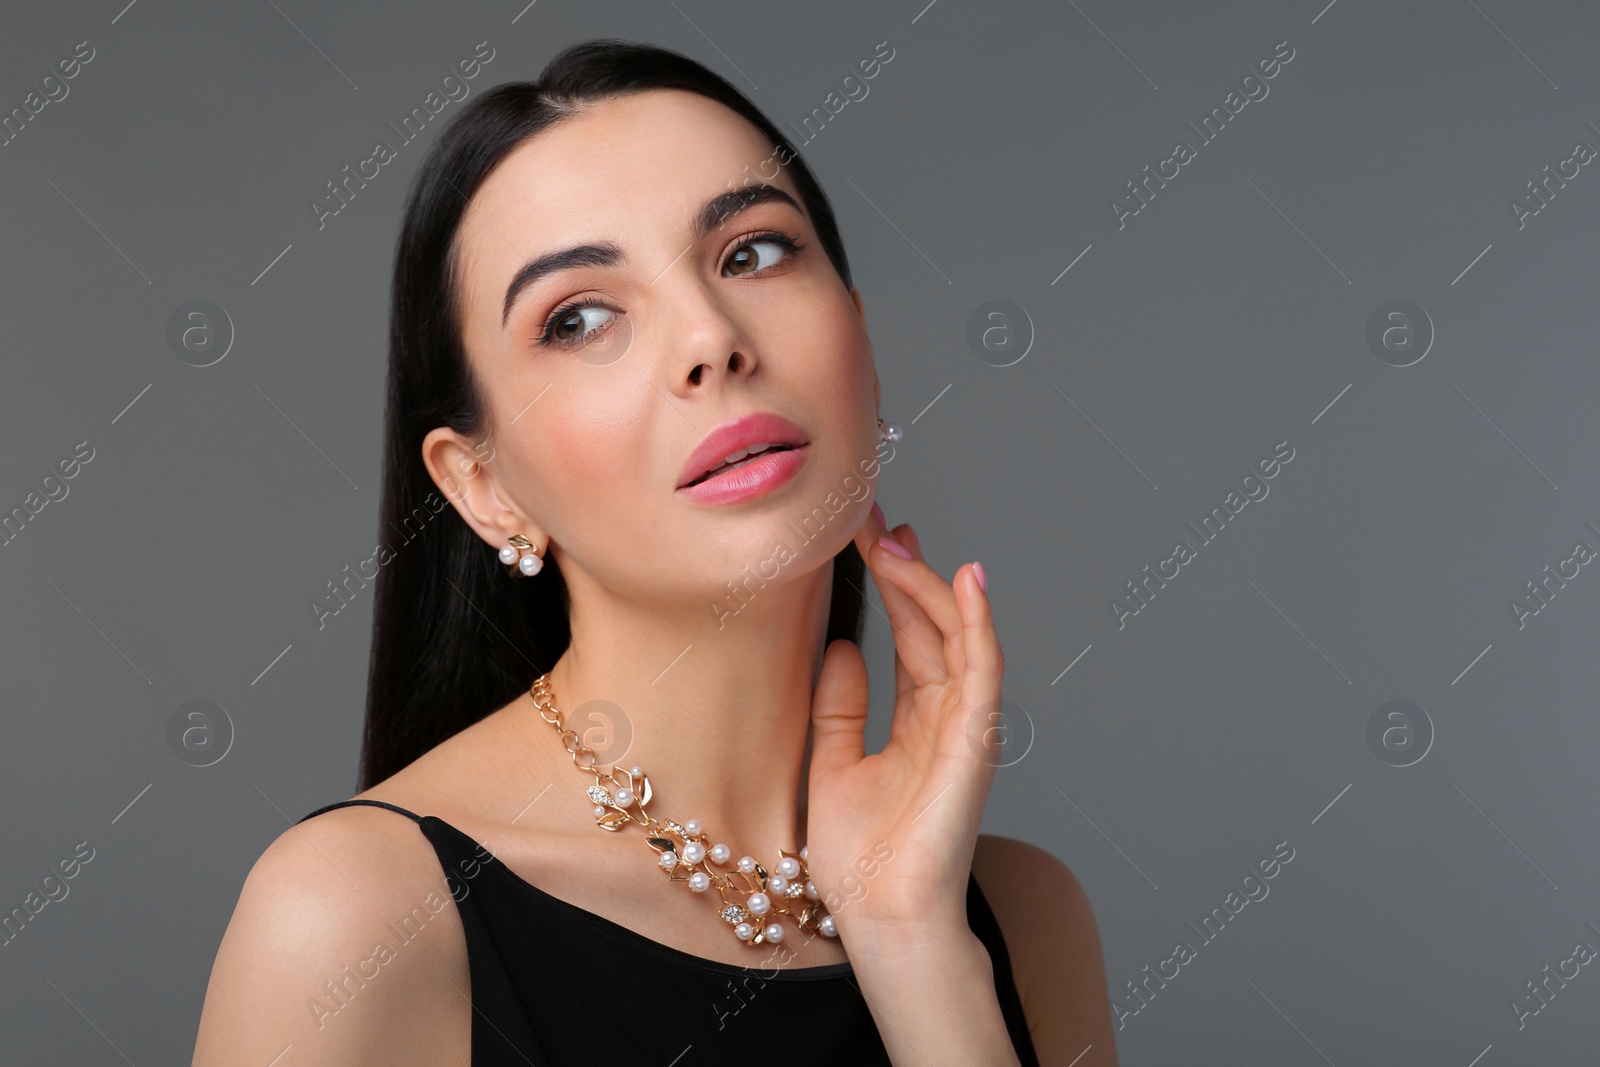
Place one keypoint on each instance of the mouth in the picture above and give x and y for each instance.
(754, 438)
(760, 472)
(741, 458)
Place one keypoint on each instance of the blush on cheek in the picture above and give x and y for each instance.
(587, 457)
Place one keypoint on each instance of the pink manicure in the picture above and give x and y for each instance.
(983, 579)
(894, 547)
(877, 513)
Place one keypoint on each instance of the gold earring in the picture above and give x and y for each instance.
(521, 556)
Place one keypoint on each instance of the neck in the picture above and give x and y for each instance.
(718, 704)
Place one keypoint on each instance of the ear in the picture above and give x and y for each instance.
(465, 473)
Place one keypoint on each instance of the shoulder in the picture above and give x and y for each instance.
(1054, 944)
(1030, 889)
(344, 927)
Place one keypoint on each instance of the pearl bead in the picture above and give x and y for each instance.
(758, 904)
(624, 798)
(803, 854)
(789, 867)
(699, 881)
(747, 864)
(774, 932)
(811, 891)
(637, 772)
(530, 564)
(719, 853)
(777, 883)
(599, 810)
(692, 827)
(694, 852)
(827, 927)
(891, 432)
(744, 931)
(508, 555)
(668, 860)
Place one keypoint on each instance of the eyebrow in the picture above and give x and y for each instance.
(712, 214)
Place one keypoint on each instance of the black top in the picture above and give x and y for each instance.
(554, 984)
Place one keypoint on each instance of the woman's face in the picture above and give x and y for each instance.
(597, 412)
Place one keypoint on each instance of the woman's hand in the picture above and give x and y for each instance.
(890, 836)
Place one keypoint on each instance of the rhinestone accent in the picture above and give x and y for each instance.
(611, 814)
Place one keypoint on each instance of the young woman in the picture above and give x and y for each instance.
(633, 429)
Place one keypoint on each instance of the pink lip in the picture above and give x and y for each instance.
(758, 476)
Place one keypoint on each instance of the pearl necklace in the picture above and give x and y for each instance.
(786, 893)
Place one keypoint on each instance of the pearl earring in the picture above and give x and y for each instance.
(521, 554)
(889, 431)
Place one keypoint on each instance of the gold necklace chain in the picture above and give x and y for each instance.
(684, 852)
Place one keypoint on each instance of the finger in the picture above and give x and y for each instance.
(919, 658)
(877, 526)
(903, 680)
(920, 644)
(908, 537)
(932, 594)
(973, 769)
(985, 662)
(921, 600)
(839, 709)
(873, 528)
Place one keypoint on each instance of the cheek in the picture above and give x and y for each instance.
(823, 347)
(587, 463)
(841, 370)
(578, 459)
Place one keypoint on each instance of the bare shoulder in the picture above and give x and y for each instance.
(340, 946)
(1054, 945)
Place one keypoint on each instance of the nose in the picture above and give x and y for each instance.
(735, 365)
(709, 341)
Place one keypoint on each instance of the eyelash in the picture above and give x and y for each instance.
(789, 242)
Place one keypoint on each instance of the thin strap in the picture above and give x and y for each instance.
(373, 803)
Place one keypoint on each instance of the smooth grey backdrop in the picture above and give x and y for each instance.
(1171, 350)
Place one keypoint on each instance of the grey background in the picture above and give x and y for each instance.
(1228, 315)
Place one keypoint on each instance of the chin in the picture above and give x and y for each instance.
(776, 554)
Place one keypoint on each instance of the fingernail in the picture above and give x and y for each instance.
(877, 513)
(983, 579)
(894, 547)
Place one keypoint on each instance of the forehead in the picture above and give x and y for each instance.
(632, 169)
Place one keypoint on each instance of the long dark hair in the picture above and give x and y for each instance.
(453, 637)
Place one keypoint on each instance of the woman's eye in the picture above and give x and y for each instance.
(747, 260)
(581, 322)
(577, 325)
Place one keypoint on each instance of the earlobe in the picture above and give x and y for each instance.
(469, 484)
